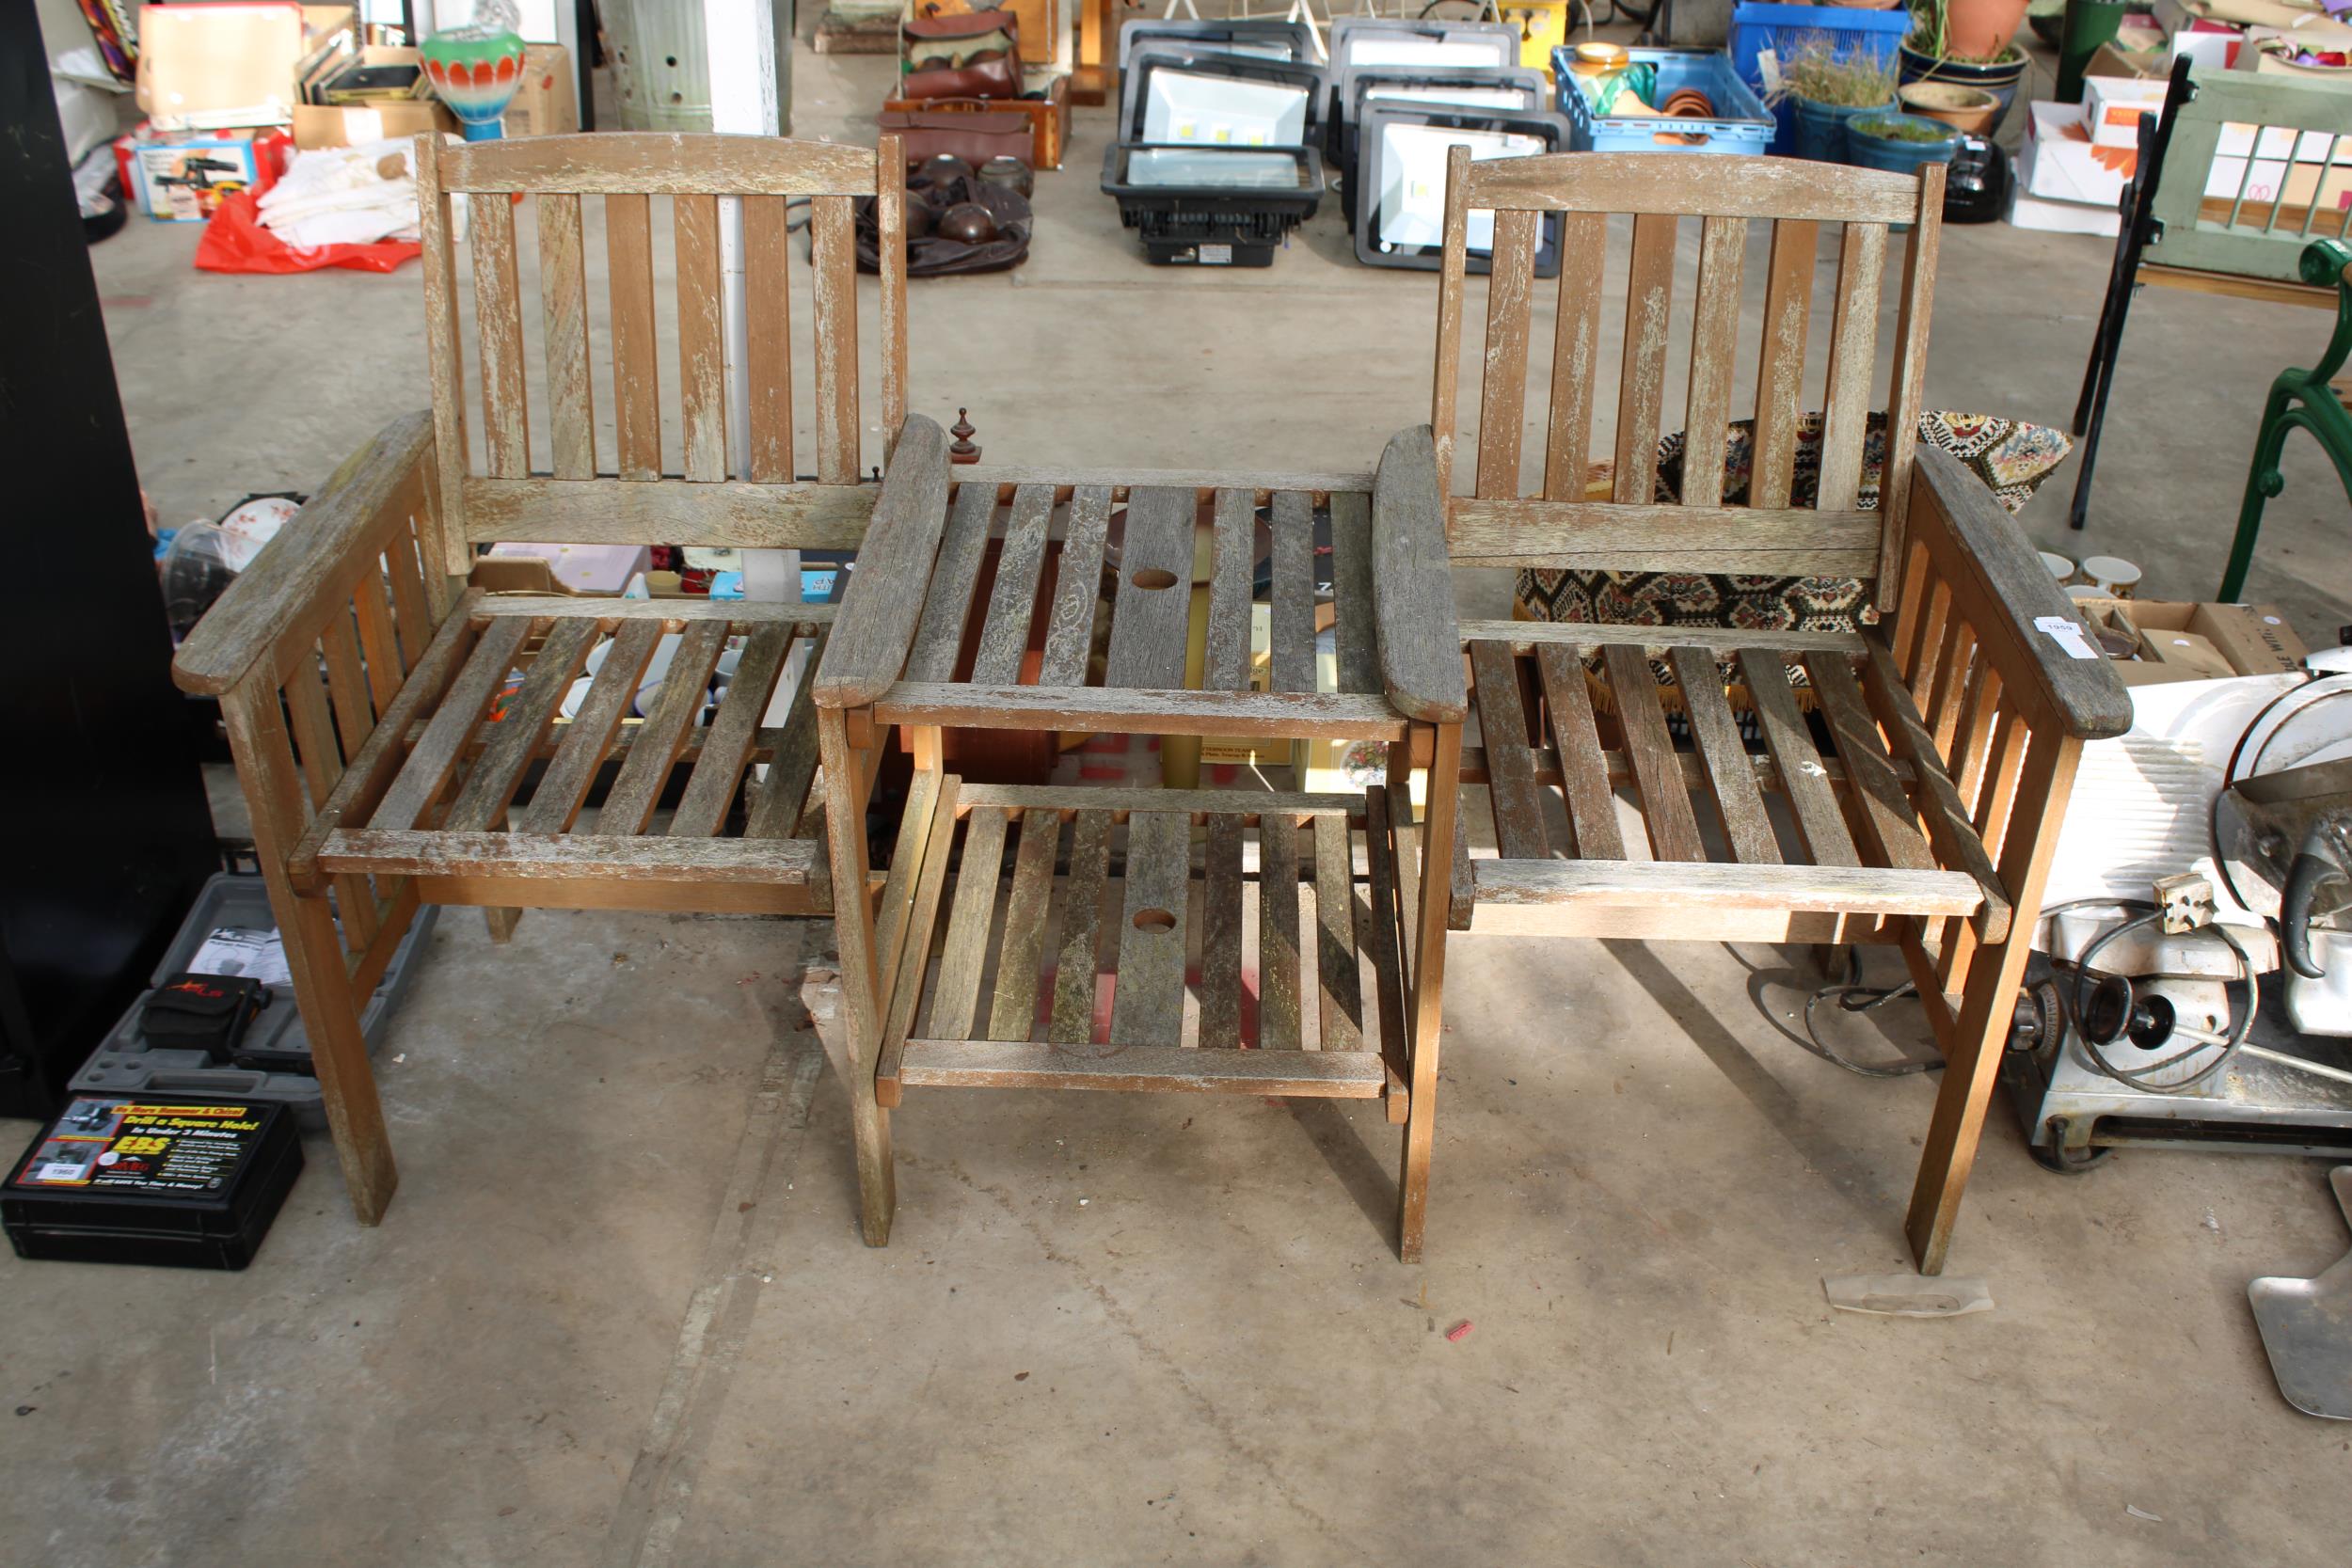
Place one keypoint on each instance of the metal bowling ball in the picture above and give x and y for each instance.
(920, 218)
(966, 223)
(1010, 173)
(943, 169)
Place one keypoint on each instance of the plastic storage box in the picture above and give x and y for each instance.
(1739, 123)
(1755, 27)
(124, 1062)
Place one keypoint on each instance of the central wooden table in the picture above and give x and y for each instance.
(1198, 941)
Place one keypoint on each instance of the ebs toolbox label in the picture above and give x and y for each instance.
(149, 1147)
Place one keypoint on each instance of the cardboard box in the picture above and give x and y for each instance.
(219, 67)
(2057, 162)
(2060, 217)
(597, 569)
(2117, 60)
(182, 176)
(2183, 641)
(2113, 106)
(317, 126)
(548, 104)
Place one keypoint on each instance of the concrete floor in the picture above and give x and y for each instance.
(619, 1312)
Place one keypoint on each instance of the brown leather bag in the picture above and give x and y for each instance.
(976, 135)
(973, 56)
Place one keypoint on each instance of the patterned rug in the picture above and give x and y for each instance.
(2012, 458)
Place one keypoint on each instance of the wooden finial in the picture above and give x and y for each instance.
(961, 450)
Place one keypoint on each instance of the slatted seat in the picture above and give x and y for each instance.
(1152, 940)
(498, 785)
(388, 753)
(1917, 803)
(1813, 876)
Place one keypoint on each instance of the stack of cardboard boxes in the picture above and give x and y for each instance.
(218, 81)
(2077, 158)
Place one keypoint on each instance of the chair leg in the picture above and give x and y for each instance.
(1428, 941)
(2263, 482)
(1988, 1000)
(339, 1053)
(861, 989)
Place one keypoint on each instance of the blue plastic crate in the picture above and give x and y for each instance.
(1741, 123)
(1757, 26)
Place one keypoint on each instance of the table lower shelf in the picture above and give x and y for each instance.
(1181, 941)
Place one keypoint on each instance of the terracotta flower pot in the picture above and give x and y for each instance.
(1979, 29)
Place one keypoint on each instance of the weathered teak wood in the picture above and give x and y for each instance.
(388, 758)
(1012, 1012)
(627, 174)
(1592, 807)
(1150, 1036)
(1147, 1006)
(1502, 724)
(1926, 823)
(1729, 778)
(1279, 1026)
(1162, 968)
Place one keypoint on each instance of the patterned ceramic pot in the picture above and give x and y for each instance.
(477, 77)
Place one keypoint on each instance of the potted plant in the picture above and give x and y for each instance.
(1827, 90)
(1968, 43)
(1969, 29)
(1898, 143)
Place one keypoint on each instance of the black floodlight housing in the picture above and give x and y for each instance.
(1181, 95)
(1519, 89)
(1269, 38)
(1400, 182)
(1365, 42)
(1197, 205)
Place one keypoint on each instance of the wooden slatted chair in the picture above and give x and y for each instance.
(1150, 939)
(1923, 810)
(358, 675)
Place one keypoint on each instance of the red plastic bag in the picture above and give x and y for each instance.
(236, 241)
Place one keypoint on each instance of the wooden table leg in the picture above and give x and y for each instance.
(1428, 975)
(846, 783)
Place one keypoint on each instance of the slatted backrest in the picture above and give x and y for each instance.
(618, 478)
(2273, 206)
(1498, 524)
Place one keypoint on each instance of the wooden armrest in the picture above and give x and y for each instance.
(874, 628)
(311, 559)
(2001, 577)
(1412, 583)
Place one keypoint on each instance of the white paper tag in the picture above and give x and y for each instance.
(2066, 634)
(1767, 68)
(257, 954)
(1217, 255)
